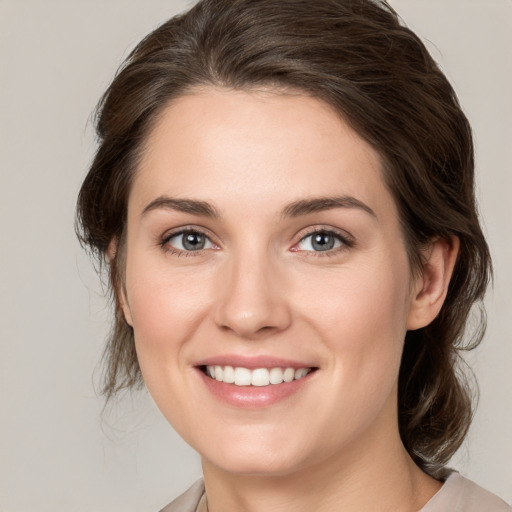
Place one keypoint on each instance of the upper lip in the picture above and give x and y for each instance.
(252, 362)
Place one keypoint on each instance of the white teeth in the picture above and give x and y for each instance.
(229, 375)
(288, 374)
(301, 372)
(242, 376)
(276, 376)
(259, 377)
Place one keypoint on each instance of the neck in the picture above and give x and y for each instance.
(378, 476)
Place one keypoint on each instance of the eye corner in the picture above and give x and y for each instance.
(340, 241)
(203, 241)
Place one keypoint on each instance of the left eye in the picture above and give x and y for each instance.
(320, 241)
(190, 241)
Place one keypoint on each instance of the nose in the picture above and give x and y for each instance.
(252, 298)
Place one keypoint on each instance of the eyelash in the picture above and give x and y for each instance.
(164, 242)
(346, 240)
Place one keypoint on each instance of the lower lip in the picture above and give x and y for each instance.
(251, 397)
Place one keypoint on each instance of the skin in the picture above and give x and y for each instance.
(259, 288)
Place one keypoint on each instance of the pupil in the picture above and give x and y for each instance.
(193, 241)
(323, 242)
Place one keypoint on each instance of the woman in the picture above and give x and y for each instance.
(283, 193)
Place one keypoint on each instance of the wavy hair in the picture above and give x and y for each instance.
(359, 58)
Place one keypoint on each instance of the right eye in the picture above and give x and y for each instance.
(188, 241)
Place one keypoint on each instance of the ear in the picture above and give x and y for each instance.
(431, 285)
(111, 257)
(111, 252)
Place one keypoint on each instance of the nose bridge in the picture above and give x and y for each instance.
(251, 301)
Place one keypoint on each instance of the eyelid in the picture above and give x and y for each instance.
(346, 239)
(163, 241)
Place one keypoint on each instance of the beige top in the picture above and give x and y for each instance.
(458, 494)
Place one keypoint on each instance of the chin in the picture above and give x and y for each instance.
(266, 465)
(257, 456)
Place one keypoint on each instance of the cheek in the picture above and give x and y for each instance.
(166, 307)
(362, 316)
(361, 298)
(360, 319)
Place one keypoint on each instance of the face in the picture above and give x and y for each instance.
(267, 281)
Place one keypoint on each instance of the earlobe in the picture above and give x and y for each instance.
(431, 285)
(124, 306)
(111, 252)
(117, 282)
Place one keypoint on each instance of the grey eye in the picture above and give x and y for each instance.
(190, 241)
(320, 241)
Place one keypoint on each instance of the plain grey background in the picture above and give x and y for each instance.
(56, 451)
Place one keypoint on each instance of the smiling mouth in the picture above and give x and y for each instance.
(240, 376)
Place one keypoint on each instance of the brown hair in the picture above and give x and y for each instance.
(356, 56)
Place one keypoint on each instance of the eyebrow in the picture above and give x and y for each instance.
(295, 209)
(192, 206)
(317, 204)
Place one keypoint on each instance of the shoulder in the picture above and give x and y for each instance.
(188, 501)
(459, 494)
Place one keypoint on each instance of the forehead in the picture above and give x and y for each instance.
(259, 147)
